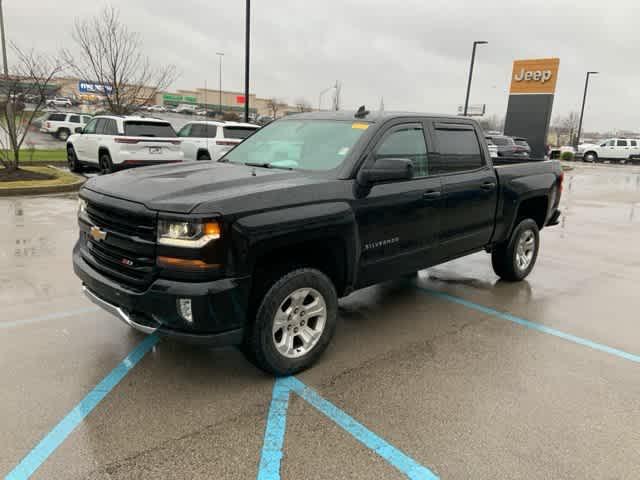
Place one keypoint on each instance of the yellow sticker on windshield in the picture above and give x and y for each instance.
(360, 126)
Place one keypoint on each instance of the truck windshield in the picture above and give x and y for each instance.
(299, 144)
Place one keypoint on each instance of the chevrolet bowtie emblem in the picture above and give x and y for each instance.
(97, 234)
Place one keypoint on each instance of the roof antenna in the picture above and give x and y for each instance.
(362, 112)
(381, 105)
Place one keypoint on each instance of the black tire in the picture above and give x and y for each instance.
(63, 134)
(104, 164)
(204, 156)
(72, 160)
(260, 347)
(504, 257)
(590, 157)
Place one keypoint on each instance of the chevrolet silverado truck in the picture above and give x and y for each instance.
(257, 248)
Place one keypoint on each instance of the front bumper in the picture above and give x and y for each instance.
(219, 307)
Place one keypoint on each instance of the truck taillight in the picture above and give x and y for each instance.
(126, 140)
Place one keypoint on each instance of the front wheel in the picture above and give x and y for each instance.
(104, 164)
(514, 260)
(294, 324)
(72, 160)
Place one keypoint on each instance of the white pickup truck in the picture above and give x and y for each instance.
(612, 149)
(113, 142)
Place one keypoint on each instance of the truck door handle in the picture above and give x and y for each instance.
(488, 186)
(431, 194)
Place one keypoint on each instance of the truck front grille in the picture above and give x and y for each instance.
(127, 253)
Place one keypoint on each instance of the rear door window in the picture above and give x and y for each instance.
(140, 128)
(74, 118)
(622, 143)
(57, 117)
(458, 150)
(633, 143)
(237, 132)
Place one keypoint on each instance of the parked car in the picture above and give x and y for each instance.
(613, 149)
(156, 108)
(62, 125)
(186, 109)
(523, 146)
(201, 113)
(256, 248)
(114, 142)
(209, 140)
(493, 148)
(60, 102)
(506, 146)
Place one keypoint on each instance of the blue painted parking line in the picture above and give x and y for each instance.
(44, 318)
(534, 326)
(63, 429)
(270, 460)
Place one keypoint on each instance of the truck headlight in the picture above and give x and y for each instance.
(189, 234)
(82, 206)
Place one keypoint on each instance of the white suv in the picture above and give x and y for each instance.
(62, 125)
(113, 142)
(211, 140)
(616, 149)
(60, 102)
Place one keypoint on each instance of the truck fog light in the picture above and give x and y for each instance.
(184, 307)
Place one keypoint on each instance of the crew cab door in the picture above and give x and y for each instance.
(622, 149)
(398, 221)
(469, 186)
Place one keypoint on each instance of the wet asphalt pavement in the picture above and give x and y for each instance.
(447, 379)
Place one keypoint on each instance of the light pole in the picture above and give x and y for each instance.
(473, 59)
(320, 96)
(246, 60)
(220, 55)
(584, 100)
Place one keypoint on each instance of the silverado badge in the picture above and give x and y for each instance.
(97, 234)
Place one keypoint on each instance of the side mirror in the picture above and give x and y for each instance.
(386, 170)
(79, 130)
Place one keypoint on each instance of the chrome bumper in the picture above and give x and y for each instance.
(117, 312)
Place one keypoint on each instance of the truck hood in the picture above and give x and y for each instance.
(181, 188)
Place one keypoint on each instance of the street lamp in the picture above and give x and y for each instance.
(220, 55)
(584, 100)
(473, 59)
(246, 59)
(320, 96)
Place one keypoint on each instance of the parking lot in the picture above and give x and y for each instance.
(453, 374)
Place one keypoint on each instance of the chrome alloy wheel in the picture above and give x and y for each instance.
(299, 322)
(525, 249)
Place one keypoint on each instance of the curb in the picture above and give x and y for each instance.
(69, 187)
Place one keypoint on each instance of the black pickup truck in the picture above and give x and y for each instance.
(256, 249)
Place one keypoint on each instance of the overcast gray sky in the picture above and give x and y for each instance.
(414, 53)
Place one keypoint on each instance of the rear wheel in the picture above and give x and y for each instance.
(104, 164)
(72, 160)
(294, 323)
(63, 134)
(514, 260)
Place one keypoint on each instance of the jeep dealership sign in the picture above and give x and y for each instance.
(535, 76)
(533, 84)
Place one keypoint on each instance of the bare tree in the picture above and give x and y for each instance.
(29, 80)
(566, 126)
(492, 123)
(303, 105)
(110, 55)
(274, 105)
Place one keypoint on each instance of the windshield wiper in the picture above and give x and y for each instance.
(266, 165)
